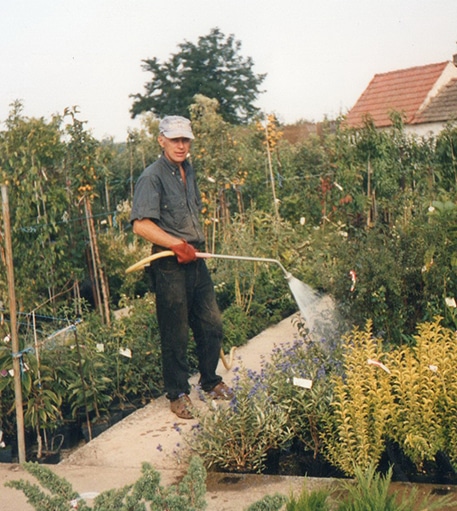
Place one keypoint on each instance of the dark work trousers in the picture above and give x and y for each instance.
(185, 299)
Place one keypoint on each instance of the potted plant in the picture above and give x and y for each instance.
(89, 392)
(59, 361)
(42, 409)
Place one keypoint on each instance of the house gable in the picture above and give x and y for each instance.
(408, 91)
(443, 107)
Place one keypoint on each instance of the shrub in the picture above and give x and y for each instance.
(238, 436)
(138, 376)
(355, 427)
(268, 503)
(189, 495)
(424, 393)
(371, 493)
(308, 359)
(90, 389)
(236, 324)
(317, 500)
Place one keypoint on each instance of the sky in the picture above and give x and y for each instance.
(319, 55)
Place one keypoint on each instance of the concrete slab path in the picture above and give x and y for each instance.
(153, 434)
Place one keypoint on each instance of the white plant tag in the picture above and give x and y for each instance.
(303, 382)
(378, 364)
(127, 352)
(450, 302)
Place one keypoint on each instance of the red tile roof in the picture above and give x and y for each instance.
(402, 91)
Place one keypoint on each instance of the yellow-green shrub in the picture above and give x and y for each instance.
(418, 387)
(355, 428)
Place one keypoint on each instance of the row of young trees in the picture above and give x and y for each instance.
(379, 204)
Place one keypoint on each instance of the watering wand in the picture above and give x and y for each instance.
(305, 297)
(205, 255)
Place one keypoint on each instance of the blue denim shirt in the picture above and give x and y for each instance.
(161, 196)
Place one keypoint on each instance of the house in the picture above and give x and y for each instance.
(425, 95)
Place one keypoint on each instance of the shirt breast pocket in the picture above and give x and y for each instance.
(175, 211)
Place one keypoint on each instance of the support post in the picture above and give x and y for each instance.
(13, 326)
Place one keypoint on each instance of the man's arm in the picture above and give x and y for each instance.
(151, 232)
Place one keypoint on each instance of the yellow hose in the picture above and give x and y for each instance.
(169, 253)
(148, 260)
(227, 364)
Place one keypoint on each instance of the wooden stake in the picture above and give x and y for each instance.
(99, 273)
(13, 326)
(272, 178)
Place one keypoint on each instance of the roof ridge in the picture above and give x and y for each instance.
(408, 69)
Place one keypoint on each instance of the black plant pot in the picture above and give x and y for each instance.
(49, 457)
(52, 454)
(437, 471)
(127, 410)
(6, 454)
(71, 431)
(115, 416)
(97, 428)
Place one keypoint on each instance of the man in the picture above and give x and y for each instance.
(165, 212)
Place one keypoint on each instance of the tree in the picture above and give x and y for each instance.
(85, 166)
(31, 156)
(214, 68)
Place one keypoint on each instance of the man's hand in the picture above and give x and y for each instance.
(184, 252)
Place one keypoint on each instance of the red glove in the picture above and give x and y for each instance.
(184, 252)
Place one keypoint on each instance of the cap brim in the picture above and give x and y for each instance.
(178, 134)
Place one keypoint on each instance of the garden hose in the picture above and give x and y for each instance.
(205, 255)
(148, 260)
(169, 253)
(227, 364)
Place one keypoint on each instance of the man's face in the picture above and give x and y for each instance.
(175, 149)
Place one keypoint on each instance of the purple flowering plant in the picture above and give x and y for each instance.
(311, 360)
(237, 435)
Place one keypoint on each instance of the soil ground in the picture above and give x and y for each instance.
(153, 434)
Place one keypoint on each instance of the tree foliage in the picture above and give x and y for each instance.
(212, 67)
(32, 156)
